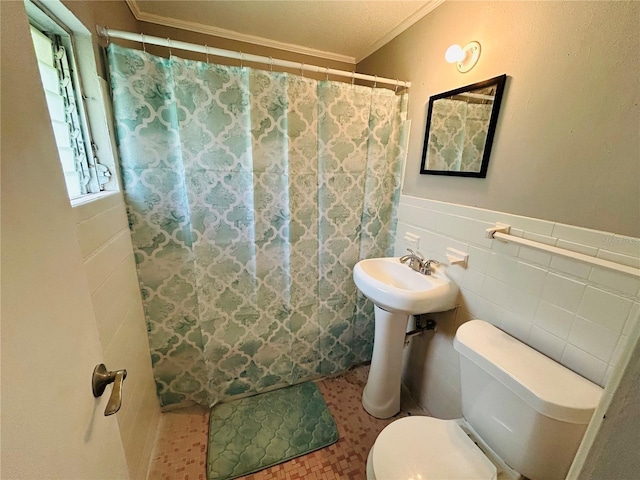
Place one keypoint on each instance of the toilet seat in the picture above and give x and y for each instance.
(427, 448)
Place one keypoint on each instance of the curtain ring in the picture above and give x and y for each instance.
(144, 45)
(375, 82)
(271, 64)
(327, 73)
(169, 44)
(353, 79)
(302, 70)
(240, 59)
(108, 37)
(397, 84)
(206, 52)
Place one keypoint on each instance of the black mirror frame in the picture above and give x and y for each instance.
(499, 81)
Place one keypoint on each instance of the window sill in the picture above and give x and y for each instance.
(76, 202)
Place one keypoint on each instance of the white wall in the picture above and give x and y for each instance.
(610, 447)
(52, 426)
(105, 242)
(102, 234)
(104, 238)
(566, 147)
(577, 314)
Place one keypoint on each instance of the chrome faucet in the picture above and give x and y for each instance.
(417, 262)
(427, 266)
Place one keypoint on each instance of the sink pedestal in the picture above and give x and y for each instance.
(381, 396)
(397, 291)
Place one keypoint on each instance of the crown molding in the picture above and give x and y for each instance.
(417, 15)
(133, 6)
(231, 35)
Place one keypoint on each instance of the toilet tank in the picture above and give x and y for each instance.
(530, 410)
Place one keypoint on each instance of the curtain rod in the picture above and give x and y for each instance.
(206, 50)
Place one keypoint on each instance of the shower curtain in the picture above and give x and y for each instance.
(251, 195)
(458, 134)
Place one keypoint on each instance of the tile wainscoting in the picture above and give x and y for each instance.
(579, 315)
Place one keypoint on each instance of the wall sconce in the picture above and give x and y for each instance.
(465, 57)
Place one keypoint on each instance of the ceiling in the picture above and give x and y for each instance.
(346, 31)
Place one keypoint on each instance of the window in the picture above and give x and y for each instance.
(54, 50)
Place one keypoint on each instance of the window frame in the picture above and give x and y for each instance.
(47, 23)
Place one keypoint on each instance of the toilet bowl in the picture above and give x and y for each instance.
(523, 414)
(431, 448)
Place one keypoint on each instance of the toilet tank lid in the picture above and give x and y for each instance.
(548, 387)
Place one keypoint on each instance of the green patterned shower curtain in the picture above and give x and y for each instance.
(251, 195)
(457, 135)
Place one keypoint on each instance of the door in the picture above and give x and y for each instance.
(52, 426)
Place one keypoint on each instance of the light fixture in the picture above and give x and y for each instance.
(465, 57)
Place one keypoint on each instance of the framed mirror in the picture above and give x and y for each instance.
(460, 128)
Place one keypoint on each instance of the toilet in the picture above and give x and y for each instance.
(523, 415)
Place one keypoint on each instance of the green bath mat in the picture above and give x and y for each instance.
(257, 432)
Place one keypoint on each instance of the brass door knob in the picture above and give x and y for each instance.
(99, 381)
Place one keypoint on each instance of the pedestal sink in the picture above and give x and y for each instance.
(397, 291)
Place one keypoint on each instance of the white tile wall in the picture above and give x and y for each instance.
(103, 235)
(577, 314)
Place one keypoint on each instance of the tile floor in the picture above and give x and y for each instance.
(181, 446)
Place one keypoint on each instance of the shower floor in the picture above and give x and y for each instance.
(181, 445)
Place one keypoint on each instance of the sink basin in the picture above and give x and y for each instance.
(397, 292)
(395, 287)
